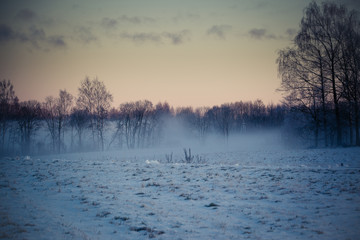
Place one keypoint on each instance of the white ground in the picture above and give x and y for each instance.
(293, 194)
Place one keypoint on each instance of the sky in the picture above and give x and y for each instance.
(186, 52)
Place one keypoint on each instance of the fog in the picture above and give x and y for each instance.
(178, 135)
(164, 135)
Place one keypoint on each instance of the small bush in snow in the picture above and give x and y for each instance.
(169, 158)
(188, 157)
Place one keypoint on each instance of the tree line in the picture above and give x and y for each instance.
(319, 79)
(320, 75)
(66, 123)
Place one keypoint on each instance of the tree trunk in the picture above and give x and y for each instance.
(316, 134)
(80, 139)
(59, 135)
(336, 104)
(351, 133)
(323, 102)
(356, 109)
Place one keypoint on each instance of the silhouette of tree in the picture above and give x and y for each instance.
(7, 104)
(56, 112)
(223, 117)
(96, 100)
(349, 68)
(321, 70)
(161, 114)
(135, 121)
(49, 114)
(202, 122)
(28, 118)
(79, 119)
(65, 102)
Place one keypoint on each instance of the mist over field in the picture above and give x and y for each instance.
(252, 183)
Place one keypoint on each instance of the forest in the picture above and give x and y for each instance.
(319, 75)
(66, 123)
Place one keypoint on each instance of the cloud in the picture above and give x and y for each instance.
(291, 32)
(174, 38)
(109, 23)
(177, 37)
(185, 17)
(57, 41)
(6, 33)
(219, 31)
(112, 23)
(26, 15)
(261, 33)
(262, 5)
(142, 37)
(38, 38)
(84, 35)
(257, 33)
(135, 19)
(34, 36)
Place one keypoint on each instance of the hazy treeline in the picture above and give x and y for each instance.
(320, 76)
(66, 123)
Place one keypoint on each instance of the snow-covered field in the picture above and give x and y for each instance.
(254, 194)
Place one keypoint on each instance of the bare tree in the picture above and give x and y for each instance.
(29, 121)
(79, 119)
(56, 112)
(85, 102)
(160, 115)
(202, 122)
(322, 28)
(135, 120)
(258, 113)
(300, 79)
(96, 100)
(321, 66)
(64, 105)
(223, 117)
(144, 110)
(185, 117)
(349, 66)
(49, 114)
(126, 124)
(7, 102)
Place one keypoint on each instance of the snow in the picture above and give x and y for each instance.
(243, 194)
(152, 162)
